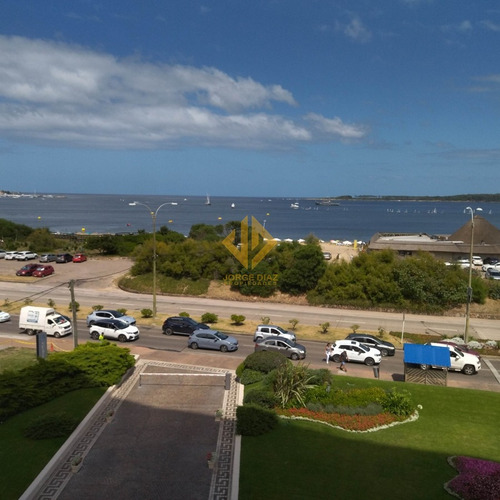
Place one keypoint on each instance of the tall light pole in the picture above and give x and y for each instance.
(153, 214)
(469, 287)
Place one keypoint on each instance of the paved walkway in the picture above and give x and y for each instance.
(155, 444)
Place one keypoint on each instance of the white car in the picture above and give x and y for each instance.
(25, 255)
(356, 351)
(114, 329)
(2, 254)
(10, 255)
(460, 361)
(477, 261)
(492, 274)
(265, 331)
(491, 266)
(4, 316)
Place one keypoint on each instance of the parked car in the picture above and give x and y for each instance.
(48, 257)
(356, 352)
(460, 361)
(327, 255)
(212, 339)
(42, 271)
(284, 346)
(182, 326)
(485, 267)
(385, 348)
(26, 270)
(79, 257)
(109, 314)
(62, 258)
(11, 255)
(492, 274)
(2, 253)
(25, 255)
(114, 329)
(264, 331)
(477, 261)
(491, 260)
(4, 316)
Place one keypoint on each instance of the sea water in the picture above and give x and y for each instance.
(351, 220)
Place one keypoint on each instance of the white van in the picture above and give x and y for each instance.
(43, 319)
(460, 361)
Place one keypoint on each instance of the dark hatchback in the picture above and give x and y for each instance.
(182, 326)
(62, 258)
(385, 348)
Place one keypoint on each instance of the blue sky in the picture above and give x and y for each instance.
(262, 98)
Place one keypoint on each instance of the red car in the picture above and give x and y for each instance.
(79, 257)
(27, 270)
(42, 271)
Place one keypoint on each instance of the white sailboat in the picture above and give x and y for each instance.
(208, 202)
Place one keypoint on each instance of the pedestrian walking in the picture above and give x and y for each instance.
(343, 360)
(328, 350)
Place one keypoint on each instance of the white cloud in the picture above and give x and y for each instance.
(53, 93)
(355, 30)
(335, 127)
(491, 25)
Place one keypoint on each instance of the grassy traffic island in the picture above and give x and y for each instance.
(310, 434)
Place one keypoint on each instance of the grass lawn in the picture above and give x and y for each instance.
(302, 460)
(16, 358)
(22, 459)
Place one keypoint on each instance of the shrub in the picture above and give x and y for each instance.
(294, 322)
(261, 397)
(184, 314)
(354, 328)
(209, 318)
(291, 383)
(74, 306)
(51, 303)
(265, 320)
(237, 319)
(324, 327)
(265, 361)
(254, 420)
(122, 310)
(251, 377)
(50, 426)
(321, 377)
(97, 307)
(28, 301)
(146, 313)
(398, 403)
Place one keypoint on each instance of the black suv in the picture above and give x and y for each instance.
(182, 326)
(385, 348)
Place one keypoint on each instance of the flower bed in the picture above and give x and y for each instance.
(353, 423)
(477, 479)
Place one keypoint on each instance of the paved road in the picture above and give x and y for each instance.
(95, 285)
(391, 368)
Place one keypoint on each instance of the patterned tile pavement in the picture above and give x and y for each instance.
(201, 390)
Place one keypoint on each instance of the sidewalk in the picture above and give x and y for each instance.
(155, 445)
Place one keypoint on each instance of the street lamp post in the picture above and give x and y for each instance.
(153, 214)
(469, 287)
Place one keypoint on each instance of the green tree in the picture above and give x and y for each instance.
(307, 267)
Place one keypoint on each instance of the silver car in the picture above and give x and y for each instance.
(284, 346)
(212, 339)
(109, 314)
(48, 257)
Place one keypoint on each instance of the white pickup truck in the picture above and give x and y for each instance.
(43, 319)
(460, 361)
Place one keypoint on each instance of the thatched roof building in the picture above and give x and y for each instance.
(452, 247)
